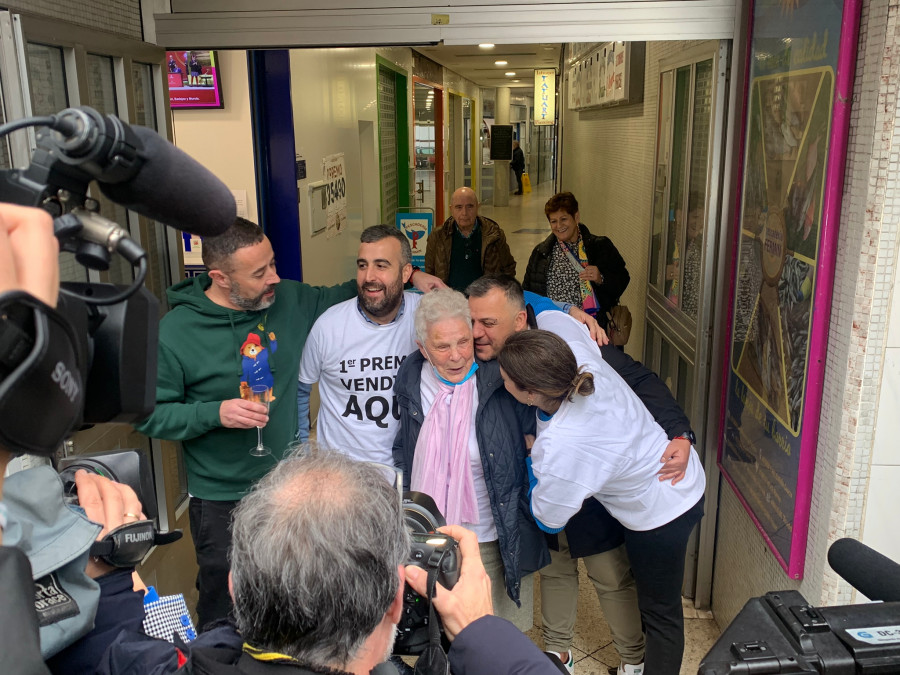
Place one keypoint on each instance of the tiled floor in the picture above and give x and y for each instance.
(592, 648)
(523, 222)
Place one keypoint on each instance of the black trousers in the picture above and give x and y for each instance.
(519, 173)
(211, 531)
(657, 562)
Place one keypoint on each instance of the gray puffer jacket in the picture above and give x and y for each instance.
(500, 425)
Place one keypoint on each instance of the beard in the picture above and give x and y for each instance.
(253, 304)
(393, 295)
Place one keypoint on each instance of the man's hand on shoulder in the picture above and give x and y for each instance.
(597, 333)
(470, 598)
(426, 282)
(236, 413)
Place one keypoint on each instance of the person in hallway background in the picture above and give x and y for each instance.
(462, 441)
(518, 165)
(595, 439)
(573, 265)
(467, 245)
(235, 326)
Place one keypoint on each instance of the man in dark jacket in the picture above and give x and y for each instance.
(467, 245)
(498, 310)
(518, 165)
(500, 424)
(307, 601)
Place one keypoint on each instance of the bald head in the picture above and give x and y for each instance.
(464, 207)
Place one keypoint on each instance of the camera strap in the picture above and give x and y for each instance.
(41, 375)
(433, 660)
(127, 545)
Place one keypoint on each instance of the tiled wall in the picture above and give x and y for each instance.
(607, 163)
(881, 221)
(853, 418)
(122, 17)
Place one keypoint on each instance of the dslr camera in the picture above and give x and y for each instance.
(437, 554)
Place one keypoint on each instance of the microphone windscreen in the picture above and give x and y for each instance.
(174, 188)
(874, 575)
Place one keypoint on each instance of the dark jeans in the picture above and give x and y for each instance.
(657, 562)
(211, 531)
(519, 173)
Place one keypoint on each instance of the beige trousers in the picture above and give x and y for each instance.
(610, 573)
(522, 617)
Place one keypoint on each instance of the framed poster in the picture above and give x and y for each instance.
(799, 91)
(194, 80)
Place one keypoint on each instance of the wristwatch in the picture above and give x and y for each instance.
(689, 435)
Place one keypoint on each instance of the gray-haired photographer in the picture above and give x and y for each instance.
(317, 576)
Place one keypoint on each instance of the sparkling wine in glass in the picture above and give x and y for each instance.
(260, 393)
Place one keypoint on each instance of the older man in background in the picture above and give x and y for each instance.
(467, 245)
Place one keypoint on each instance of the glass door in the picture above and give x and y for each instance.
(429, 146)
(682, 256)
(467, 105)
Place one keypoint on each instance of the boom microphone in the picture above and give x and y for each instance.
(874, 575)
(139, 169)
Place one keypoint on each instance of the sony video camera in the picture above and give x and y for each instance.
(436, 553)
(93, 358)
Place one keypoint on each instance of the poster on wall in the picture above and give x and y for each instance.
(782, 292)
(194, 79)
(335, 194)
(416, 227)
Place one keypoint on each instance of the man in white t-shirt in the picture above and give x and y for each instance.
(355, 349)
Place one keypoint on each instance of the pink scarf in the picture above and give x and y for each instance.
(441, 466)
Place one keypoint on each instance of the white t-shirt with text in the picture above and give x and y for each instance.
(355, 363)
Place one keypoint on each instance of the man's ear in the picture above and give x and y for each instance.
(230, 586)
(219, 278)
(521, 320)
(407, 272)
(395, 611)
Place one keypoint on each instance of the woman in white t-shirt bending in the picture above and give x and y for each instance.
(595, 438)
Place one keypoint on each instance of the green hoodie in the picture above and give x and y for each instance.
(209, 354)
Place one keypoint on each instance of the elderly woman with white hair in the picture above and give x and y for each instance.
(461, 441)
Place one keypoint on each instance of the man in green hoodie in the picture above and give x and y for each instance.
(226, 332)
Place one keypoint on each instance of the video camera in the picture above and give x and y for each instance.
(93, 360)
(436, 553)
(781, 633)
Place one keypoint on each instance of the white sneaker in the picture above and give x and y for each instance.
(569, 664)
(630, 669)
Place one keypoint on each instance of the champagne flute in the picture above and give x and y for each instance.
(259, 393)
